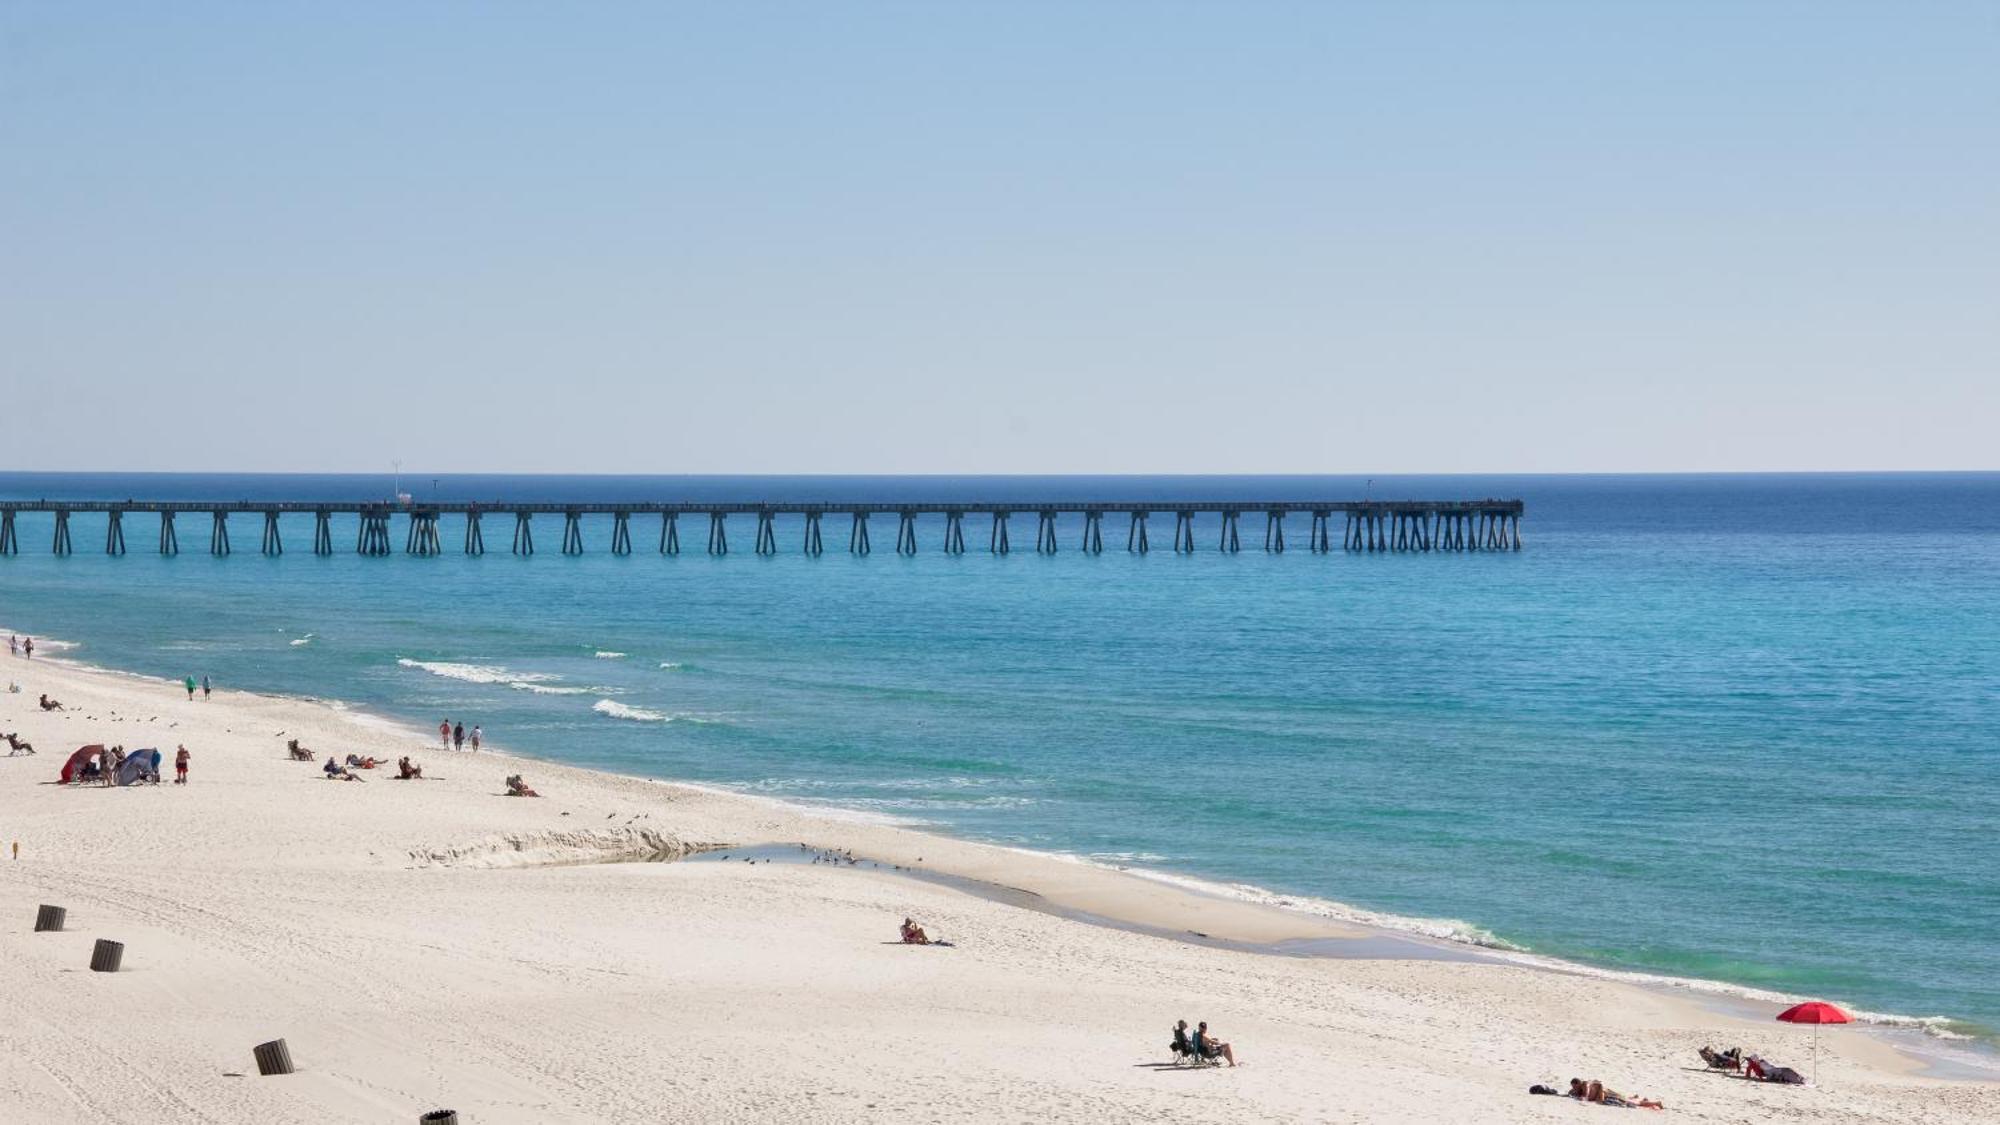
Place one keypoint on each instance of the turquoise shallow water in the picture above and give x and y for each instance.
(1736, 728)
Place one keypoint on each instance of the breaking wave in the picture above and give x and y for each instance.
(607, 654)
(617, 710)
(541, 683)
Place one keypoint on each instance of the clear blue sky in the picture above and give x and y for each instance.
(1013, 237)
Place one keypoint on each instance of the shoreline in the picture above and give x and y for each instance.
(436, 943)
(1329, 928)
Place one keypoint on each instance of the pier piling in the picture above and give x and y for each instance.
(1045, 532)
(670, 533)
(114, 533)
(475, 537)
(954, 532)
(857, 534)
(61, 545)
(767, 533)
(815, 543)
(1135, 535)
(524, 533)
(621, 533)
(718, 534)
(218, 535)
(272, 544)
(906, 532)
(997, 544)
(7, 544)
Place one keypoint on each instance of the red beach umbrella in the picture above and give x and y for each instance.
(1815, 1013)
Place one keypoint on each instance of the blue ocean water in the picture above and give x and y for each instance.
(1739, 728)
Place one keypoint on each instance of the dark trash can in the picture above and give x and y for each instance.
(106, 956)
(273, 1057)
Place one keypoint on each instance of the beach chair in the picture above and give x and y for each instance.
(1184, 1052)
(1730, 1060)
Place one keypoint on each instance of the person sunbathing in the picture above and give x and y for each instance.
(518, 788)
(1208, 1048)
(1757, 1068)
(408, 770)
(335, 771)
(358, 762)
(50, 704)
(1600, 1094)
(16, 746)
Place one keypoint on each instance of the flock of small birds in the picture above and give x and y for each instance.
(832, 856)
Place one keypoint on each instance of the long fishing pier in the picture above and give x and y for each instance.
(1366, 525)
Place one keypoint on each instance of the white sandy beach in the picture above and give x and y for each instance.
(433, 944)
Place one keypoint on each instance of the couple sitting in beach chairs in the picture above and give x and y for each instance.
(1199, 1049)
(913, 934)
(298, 753)
(407, 770)
(518, 788)
(1750, 1066)
(16, 746)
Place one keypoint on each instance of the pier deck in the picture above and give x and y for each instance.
(1366, 525)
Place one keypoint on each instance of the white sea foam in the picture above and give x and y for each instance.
(476, 673)
(607, 654)
(619, 710)
(540, 683)
(301, 642)
(669, 665)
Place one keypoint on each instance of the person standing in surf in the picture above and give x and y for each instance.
(475, 738)
(204, 688)
(458, 736)
(444, 734)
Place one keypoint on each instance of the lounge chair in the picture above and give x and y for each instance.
(1730, 1060)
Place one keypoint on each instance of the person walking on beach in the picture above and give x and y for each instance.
(180, 765)
(188, 683)
(28, 648)
(13, 644)
(475, 738)
(444, 734)
(204, 688)
(458, 736)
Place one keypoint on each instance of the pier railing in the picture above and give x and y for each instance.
(1366, 525)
